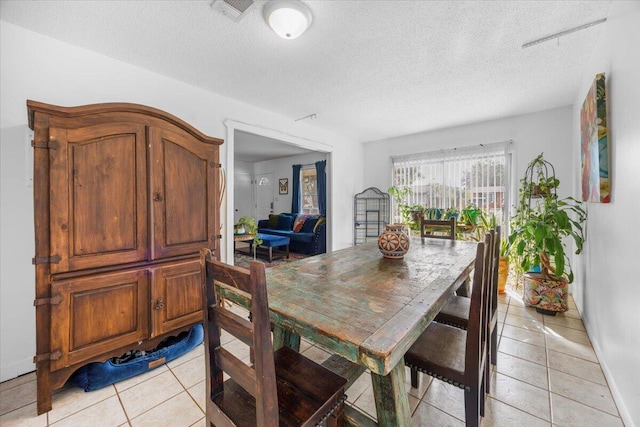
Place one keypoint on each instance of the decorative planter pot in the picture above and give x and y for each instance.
(394, 241)
(545, 294)
(503, 274)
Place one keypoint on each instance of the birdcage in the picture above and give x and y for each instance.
(371, 213)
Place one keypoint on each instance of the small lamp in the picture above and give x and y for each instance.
(288, 18)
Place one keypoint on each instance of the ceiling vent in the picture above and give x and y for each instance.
(233, 9)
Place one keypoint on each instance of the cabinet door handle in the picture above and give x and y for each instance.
(159, 304)
(157, 197)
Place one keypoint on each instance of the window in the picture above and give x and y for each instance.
(308, 185)
(456, 178)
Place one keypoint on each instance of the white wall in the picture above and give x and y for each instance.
(607, 291)
(242, 193)
(547, 131)
(281, 168)
(37, 67)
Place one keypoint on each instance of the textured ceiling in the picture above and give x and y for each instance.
(368, 69)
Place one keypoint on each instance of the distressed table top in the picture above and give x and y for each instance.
(367, 308)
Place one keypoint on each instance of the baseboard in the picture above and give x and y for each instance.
(15, 369)
(615, 393)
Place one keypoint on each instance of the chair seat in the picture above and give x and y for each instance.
(439, 351)
(455, 312)
(306, 391)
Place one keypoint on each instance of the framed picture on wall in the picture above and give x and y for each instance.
(594, 144)
(283, 185)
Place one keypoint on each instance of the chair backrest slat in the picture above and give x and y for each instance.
(236, 369)
(233, 276)
(487, 283)
(234, 324)
(428, 226)
(476, 330)
(494, 279)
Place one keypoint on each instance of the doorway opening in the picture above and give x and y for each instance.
(258, 155)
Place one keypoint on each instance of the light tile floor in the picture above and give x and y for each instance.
(547, 374)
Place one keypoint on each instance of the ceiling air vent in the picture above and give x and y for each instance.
(233, 9)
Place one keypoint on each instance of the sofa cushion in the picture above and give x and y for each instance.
(299, 221)
(321, 220)
(273, 220)
(309, 224)
(293, 236)
(285, 222)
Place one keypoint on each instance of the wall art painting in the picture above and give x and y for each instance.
(594, 144)
(283, 186)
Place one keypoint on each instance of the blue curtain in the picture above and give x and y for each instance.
(321, 177)
(295, 189)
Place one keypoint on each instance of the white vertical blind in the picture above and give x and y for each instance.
(456, 178)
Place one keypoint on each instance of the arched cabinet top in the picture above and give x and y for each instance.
(115, 108)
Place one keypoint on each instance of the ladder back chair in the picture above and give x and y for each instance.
(447, 227)
(455, 355)
(448, 230)
(277, 389)
(456, 311)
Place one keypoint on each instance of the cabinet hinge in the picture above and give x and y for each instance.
(54, 300)
(53, 259)
(47, 356)
(215, 165)
(52, 144)
(216, 237)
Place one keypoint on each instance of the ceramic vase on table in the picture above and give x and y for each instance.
(394, 241)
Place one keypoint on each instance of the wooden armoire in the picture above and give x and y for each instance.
(125, 196)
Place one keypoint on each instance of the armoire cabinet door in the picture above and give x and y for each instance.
(176, 299)
(98, 313)
(98, 196)
(183, 195)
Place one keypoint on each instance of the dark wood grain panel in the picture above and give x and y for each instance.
(176, 298)
(99, 312)
(98, 196)
(184, 188)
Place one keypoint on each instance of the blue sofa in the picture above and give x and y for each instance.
(307, 233)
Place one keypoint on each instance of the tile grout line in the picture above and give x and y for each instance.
(546, 355)
(122, 405)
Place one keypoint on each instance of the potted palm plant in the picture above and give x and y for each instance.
(540, 223)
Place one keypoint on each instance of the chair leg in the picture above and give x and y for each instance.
(481, 395)
(337, 418)
(492, 359)
(465, 289)
(415, 380)
(487, 378)
(472, 407)
(494, 346)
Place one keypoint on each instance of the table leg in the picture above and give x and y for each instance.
(282, 337)
(392, 401)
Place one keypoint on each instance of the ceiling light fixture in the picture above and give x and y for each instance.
(288, 18)
(564, 33)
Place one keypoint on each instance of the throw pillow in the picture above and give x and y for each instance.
(285, 222)
(309, 224)
(299, 222)
(273, 220)
(321, 220)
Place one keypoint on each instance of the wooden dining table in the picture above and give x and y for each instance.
(366, 309)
